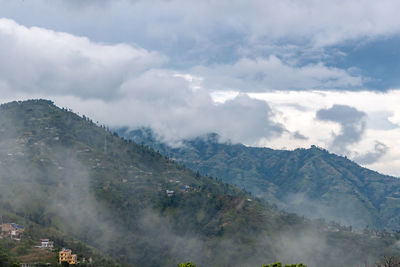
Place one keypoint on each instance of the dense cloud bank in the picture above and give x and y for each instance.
(129, 84)
(126, 82)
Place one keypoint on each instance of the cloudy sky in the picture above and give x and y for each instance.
(281, 74)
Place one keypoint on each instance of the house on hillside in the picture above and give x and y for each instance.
(170, 193)
(185, 188)
(46, 244)
(12, 231)
(34, 264)
(65, 255)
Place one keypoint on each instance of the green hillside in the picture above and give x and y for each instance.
(65, 178)
(312, 182)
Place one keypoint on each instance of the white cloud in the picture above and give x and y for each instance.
(125, 85)
(40, 60)
(241, 119)
(322, 133)
(216, 30)
(122, 85)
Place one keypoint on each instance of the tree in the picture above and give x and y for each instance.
(278, 264)
(3, 259)
(188, 264)
(389, 262)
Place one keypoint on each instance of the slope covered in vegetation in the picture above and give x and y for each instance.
(63, 176)
(312, 182)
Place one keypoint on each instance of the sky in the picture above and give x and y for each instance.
(281, 74)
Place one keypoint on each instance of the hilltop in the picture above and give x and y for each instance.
(63, 176)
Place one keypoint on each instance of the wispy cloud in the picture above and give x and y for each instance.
(379, 151)
(272, 73)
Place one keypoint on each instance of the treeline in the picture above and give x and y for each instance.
(276, 264)
(279, 264)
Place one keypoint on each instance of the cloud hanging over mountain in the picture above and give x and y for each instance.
(188, 115)
(159, 64)
(352, 122)
(126, 84)
(380, 150)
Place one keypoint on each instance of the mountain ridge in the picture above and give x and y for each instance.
(312, 182)
(61, 171)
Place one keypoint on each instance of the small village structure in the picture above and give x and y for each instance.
(185, 188)
(65, 255)
(170, 193)
(34, 264)
(12, 231)
(46, 244)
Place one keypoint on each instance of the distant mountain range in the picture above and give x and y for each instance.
(311, 182)
(67, 179)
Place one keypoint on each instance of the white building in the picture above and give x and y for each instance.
(46, 244)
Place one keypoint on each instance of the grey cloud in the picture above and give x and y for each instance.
(123, 85)
(298, 135)
(251, 120)
(44, 61)
(85, 2)
(251, 28)
(371, 157)
(297, 107)
(352, 122)
(261, 74)
(183, 114)
(315, 22)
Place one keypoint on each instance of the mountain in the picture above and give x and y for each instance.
(311, 182)
(65, 178)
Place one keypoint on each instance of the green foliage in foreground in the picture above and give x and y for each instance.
(279, 264)
(276, 264)
(188, 264)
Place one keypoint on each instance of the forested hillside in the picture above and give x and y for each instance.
(312, 182)
(64, 177)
